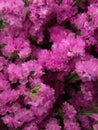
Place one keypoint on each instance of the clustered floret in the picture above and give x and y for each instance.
(49, 64)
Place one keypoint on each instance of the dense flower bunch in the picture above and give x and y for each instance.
(49, 64)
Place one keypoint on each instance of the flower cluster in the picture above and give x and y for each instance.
(49, 64)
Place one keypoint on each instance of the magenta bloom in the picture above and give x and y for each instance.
(49, 64)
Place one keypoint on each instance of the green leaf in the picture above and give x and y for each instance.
(89, 111)
(89, 18)
(14, 55)
(74, 28)
(91, 129)
(27, 15)
(26, 3)
(3, 24)
(35, 91)
(2, 45)
(71, 26)
(33, 94)
(73, 77)
(59, 114)
(31, 74)
(77, 2)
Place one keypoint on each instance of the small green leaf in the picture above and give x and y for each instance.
(88, 113)
(31, 74)
(59, 113)
(89, 18)
(73, 77)
(32, 94)
(26, 3)
(36, 88)
(2, 45)
(3, 24)
(91, 129)
(71, 26)
(14, 55)
(27, 15)
(35, 91)
(77, 2)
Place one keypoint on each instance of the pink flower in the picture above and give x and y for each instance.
(87, 70)
(69, 111)
(71, 125)
(53, 125)
(95, 127)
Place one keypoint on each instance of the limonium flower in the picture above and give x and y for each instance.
(49, 64)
